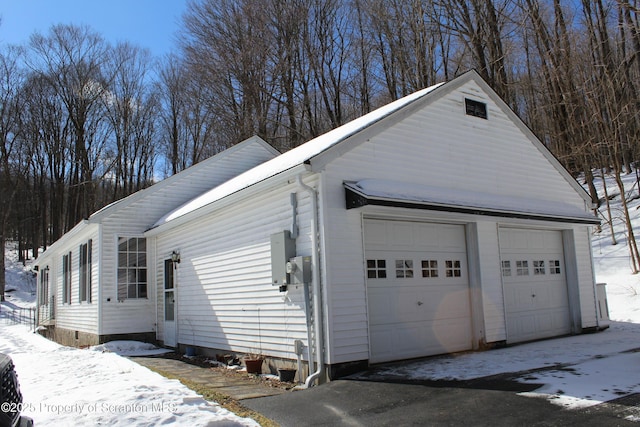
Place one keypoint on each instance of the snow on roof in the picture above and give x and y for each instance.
(195, 168)
(293, 157)
(396, 190)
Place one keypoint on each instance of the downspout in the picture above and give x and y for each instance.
(307, 304)
(315, 283)
(156, 322)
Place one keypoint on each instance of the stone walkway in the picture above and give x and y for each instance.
(236, 385)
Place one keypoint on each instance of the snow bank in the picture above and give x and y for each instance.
(130, 348)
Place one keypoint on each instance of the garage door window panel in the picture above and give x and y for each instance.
(554, 266)
(506, 268)
(453, 268)
(376, 269)
(522, 268)
(538, 268)
(430, 268)
(404, 268)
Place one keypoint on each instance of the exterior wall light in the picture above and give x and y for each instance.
(175, 258)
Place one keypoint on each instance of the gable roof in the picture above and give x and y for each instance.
(200, 167)
(328, 146)
(294, 157)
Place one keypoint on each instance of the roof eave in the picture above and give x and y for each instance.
(227, 199)
(61, 241)
(356, 199)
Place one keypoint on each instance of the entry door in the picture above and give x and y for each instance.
(170, 308)
(417, 288)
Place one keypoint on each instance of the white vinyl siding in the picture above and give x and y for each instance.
(585, 278)
(225, 298)
(137, 216)
(490, 272)
(456, 151)
(78, 315)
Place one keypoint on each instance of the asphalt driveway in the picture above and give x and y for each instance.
(585, 380)
(490, 402)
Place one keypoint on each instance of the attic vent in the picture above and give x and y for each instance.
(475, 108)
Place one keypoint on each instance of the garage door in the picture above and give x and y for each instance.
(418, 289)
(535, 288)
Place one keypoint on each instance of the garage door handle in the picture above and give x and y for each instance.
(420, 303)
(533, 295)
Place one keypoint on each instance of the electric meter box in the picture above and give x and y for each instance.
(283, 248)
(299, 269)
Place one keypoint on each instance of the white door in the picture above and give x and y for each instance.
(534, 281)
(417, 289)
(170, 307)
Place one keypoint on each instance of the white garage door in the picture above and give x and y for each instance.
(418, 289)
(535, 288)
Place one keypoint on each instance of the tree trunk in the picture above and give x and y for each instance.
(2, 263)
(614, 241)
(633, 247)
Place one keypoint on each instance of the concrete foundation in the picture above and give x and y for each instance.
(72, 338)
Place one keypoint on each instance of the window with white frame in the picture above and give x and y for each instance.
(66, 278)
(44, 286)
(132, 268)
(84, 271)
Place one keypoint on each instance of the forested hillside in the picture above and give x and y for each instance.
(84, 122)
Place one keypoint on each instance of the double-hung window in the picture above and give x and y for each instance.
(132, 268)
(66, 278)
(44, 286)
(84, 270)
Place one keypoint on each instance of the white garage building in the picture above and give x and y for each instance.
(436, 224)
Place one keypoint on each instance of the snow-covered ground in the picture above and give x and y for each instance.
(64, 386)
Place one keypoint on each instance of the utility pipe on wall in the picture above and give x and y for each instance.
(315, 282)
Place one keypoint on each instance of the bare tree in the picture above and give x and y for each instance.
(12, 164)
(227, 49)
(72, 59)
(481, 25)
(172, 90)
(129, 102)
(615, 101)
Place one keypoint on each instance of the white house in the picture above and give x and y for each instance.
(94, 281)
(436, 224)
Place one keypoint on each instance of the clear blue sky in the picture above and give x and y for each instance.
(147, 23)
